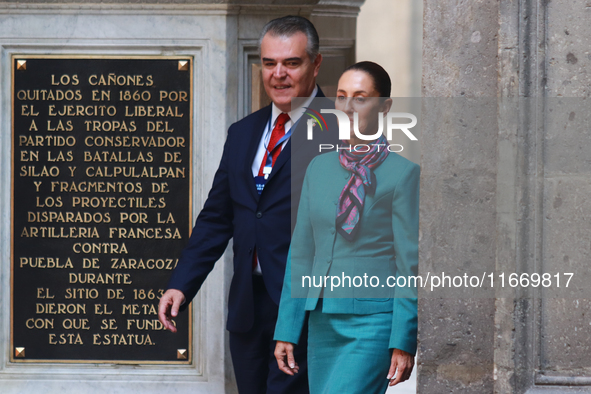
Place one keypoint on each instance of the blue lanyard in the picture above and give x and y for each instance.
(269, 162)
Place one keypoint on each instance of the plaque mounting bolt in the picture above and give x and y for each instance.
(19, 352)
(183, 65)
(21, 65)
(181, 354)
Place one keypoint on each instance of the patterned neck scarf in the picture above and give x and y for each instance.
(352, 198)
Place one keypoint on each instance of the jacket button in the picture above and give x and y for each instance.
(332, 230)
(328, 261)
(347, 176)
(259, 214)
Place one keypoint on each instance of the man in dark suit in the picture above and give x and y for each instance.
(250, 201)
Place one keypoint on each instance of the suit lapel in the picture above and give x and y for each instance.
(281, 160)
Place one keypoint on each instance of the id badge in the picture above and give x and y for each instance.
(260, 181)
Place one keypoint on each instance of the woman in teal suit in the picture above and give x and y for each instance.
(357, 220)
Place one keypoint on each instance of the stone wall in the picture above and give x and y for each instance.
(507, 198)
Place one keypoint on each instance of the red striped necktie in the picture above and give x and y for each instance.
(272, 146)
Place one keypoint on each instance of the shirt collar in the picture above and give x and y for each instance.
(296, 113)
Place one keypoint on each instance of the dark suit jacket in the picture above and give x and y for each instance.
(234, 209)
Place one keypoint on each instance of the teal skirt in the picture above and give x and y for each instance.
(348, 353)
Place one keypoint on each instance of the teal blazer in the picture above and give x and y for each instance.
(386, 247)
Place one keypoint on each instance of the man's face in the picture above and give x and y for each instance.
(288, 71)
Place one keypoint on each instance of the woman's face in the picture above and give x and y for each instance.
(356, 92)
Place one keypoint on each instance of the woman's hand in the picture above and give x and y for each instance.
(401, 365)
(285, 360)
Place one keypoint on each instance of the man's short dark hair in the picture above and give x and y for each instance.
(287, 26)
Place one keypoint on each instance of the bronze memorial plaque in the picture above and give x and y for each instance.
(101, 206)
